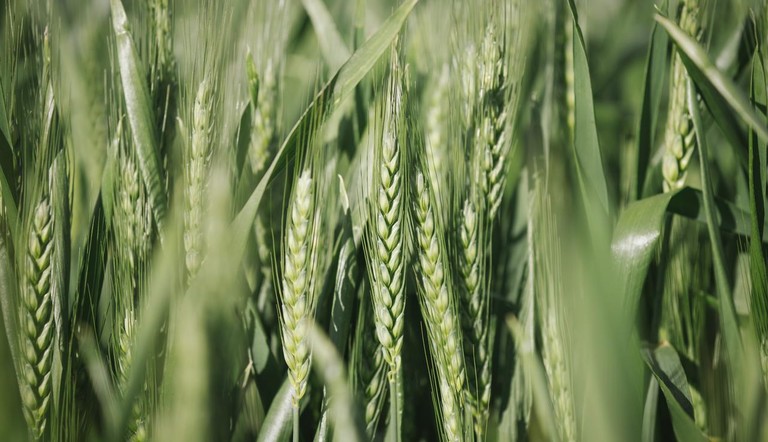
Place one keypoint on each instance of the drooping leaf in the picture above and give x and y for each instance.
(639, 226)
(277, 422)
(347, 423)
(668, 372)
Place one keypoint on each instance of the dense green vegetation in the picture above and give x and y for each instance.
(383, 220)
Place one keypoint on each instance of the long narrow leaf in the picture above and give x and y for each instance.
(589, 163)
(277, 422)
(727, 309)
(334, 49)
(757, 269)
(140, 113)
(653, 86)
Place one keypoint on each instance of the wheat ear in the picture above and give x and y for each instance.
(36, 320)
(438, 308)
(679, 137)
(197, 161)
(297, 294)
(387, 255)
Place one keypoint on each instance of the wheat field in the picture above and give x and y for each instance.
(384, 220)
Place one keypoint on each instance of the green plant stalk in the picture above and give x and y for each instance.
(727, 309)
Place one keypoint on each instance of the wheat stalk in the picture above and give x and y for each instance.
(438, 307)
(297, 294)
(679, 137)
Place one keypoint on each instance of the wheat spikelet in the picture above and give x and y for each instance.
(195, 174)
(37, 337)
(297, 286)
(438, 307)
(679, 137)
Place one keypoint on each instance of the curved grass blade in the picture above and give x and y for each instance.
(650, 411)
(719, 92)
(757, 179)
(8, 199)
(8, 290)
(277, 422)
(653, 86)
(727, 309)
(332, 45)
(534, 372)
(11, 419)
(140, 113)
(347, 425)
(638, 231)
(586, 145)
(668, 372)
(61, 238)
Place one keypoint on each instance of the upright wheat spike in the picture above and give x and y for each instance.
(679, 137)
(438, 308)
(132, 245)
(297, 288)
(549, 293)
(491, 136)
(196, 171)
(263, 124)
(37, 337)
(161, 21)
(387, 257)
